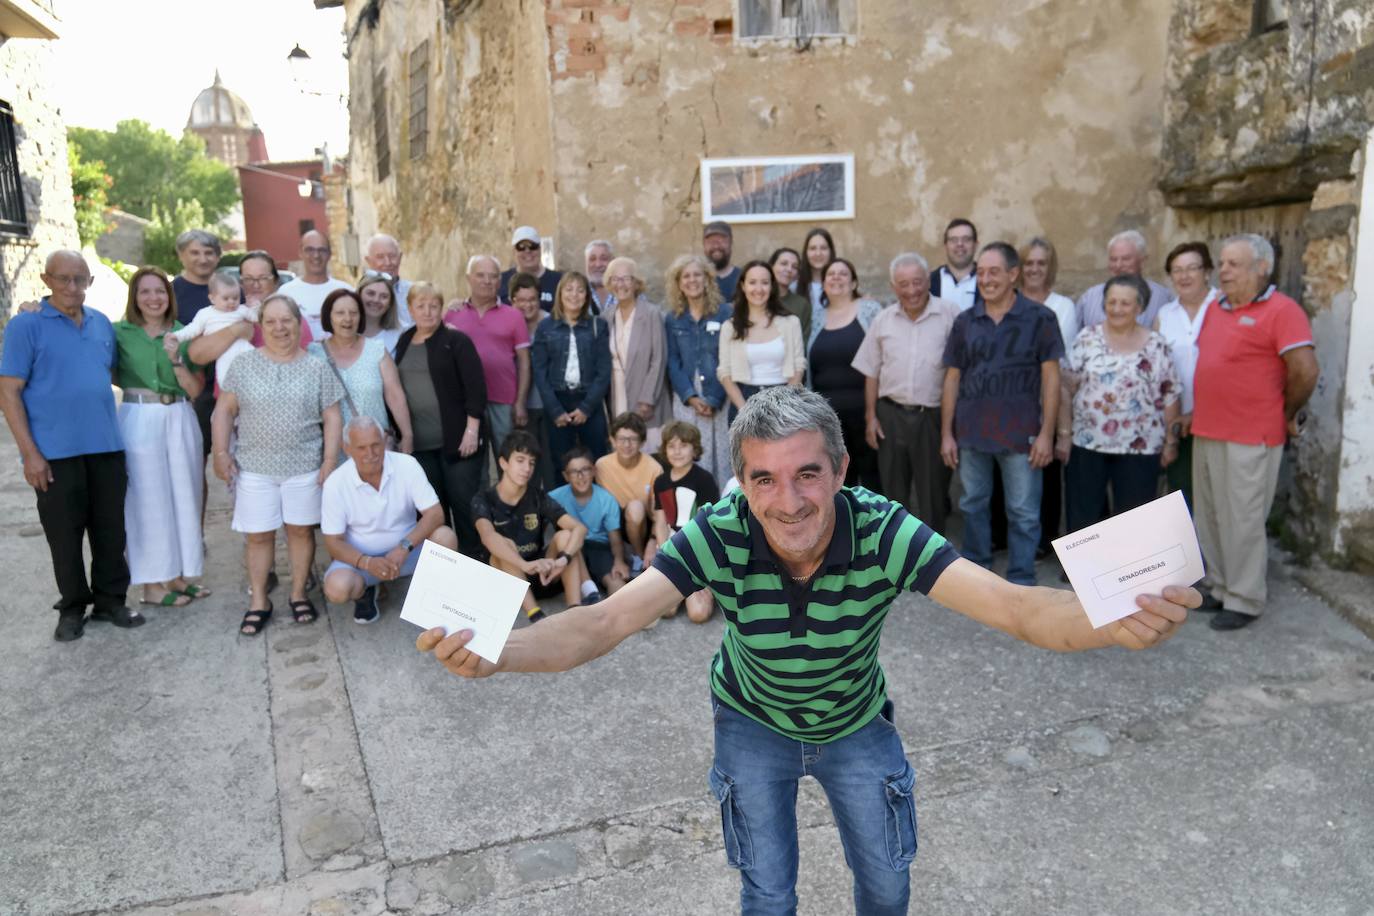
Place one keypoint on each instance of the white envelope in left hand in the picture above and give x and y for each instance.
(1138, 552)
(456, 593)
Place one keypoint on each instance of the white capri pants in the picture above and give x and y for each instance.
(162, 450)
(263, 503)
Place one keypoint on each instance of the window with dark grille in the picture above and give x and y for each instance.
(795, 19)
(13, 219)
(419, 99)
(379, 138)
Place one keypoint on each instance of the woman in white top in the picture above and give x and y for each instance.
(1179, 322)
(379, 304)
(763, 346)
(817, 252)
(1039, 270)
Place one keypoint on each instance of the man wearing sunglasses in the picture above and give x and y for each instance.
(529, 260)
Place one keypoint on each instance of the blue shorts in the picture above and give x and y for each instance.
(407, 568)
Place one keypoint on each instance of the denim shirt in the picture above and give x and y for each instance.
(549, 361)
(694, 354)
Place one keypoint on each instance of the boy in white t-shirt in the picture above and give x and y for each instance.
(224, 311)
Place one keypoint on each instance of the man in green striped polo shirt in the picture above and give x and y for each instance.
(805, 570)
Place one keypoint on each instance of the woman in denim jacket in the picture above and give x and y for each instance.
(573, 380)
(695, 316)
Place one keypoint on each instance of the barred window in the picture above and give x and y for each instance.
(379, 137)
(13, 219)
(419, 99)
(801, 20)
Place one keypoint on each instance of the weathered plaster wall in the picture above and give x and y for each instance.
(461, 196)
(1027, 117)
(1354, 528)
(25, 68)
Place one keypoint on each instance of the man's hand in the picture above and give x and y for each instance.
(873, 431)
(1169, 455)
(1041, 451)
(452, 653)
(520, 416)
(30, 306)
(1185, 425)
(949, 452)
(1158, 618)
(37, 472)
(555, 569)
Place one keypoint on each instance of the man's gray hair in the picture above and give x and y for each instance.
(199, 237)
(381, 237)
(1260, 247)
(782, 411)
(907, 259)
(362, 421)
(1129, 235)
(472, 261)
(597, 243)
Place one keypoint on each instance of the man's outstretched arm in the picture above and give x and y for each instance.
(1053, 618)
(564, 640)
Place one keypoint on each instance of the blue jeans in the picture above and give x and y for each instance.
(869, 784)
(1022, 484)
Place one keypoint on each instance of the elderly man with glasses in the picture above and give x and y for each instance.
(55, 391)
(382, 255)
(529, 260)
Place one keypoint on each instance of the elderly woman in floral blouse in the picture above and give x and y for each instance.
(1119, 401)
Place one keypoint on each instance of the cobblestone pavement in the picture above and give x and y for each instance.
(329, 769)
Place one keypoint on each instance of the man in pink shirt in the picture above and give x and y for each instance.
(502, 339)
(1256, 368)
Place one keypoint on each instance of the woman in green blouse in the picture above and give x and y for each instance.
(162, 445)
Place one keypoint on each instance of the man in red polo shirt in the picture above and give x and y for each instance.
(1256, 368)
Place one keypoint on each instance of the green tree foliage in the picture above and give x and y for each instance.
(150, 169)
(160, 239)
(90, 187)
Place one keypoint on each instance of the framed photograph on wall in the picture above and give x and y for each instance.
(778, 189)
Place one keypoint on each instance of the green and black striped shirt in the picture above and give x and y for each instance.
(802, 659)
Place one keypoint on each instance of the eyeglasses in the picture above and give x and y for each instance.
(620, 279)
(579, 472)
(255, 281)
(315, 252)
(1186, 269)
(81, 281)
(527, 246)
(627, 440)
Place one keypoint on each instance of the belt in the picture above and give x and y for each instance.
(910, 408)
(135, 397)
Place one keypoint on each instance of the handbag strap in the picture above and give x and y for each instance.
(329, 357)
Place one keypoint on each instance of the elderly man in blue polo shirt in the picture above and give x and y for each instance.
(55, 390)
(806, 570)
(999, 404)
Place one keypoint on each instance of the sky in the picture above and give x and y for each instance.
(149, 59)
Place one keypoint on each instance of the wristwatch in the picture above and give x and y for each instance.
(405, 542)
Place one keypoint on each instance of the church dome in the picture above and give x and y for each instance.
(218, 107)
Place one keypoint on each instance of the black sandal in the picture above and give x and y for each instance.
(303, 611)
(254, 621)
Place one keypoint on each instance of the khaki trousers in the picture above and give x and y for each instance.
(1233, 490)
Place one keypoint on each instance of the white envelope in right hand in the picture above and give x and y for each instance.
(1138, 552)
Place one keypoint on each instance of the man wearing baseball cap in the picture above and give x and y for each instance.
(527, 245)
(717, 241)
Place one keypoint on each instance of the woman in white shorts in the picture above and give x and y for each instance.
(286, 403)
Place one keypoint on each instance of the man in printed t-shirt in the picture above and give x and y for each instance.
(510, 519)
(805, 571)
(998, 408)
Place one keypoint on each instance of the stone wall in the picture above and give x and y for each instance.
(1266, 133)
(123, 239)
(41, 137)
(588, 118)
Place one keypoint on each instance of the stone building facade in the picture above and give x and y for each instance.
(1268, 129)
(589, 118)
(1197, 118)
(37, 182)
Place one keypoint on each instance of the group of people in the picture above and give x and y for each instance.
(385, 413)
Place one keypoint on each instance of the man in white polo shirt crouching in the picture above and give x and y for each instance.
(369, 515)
